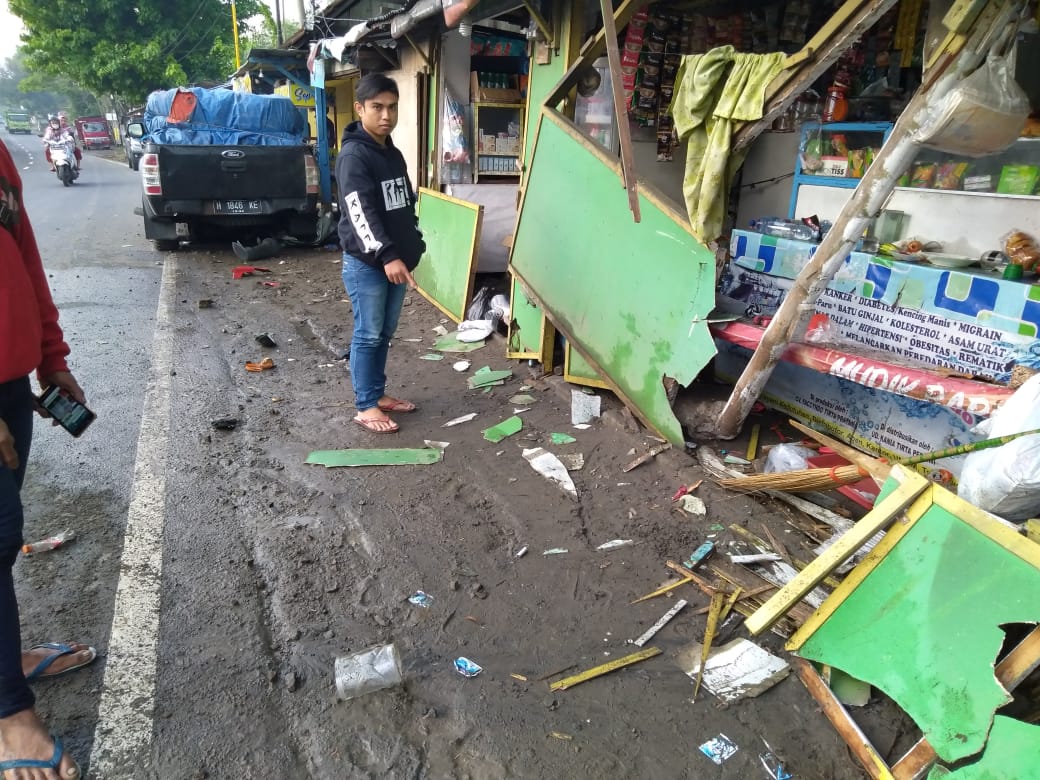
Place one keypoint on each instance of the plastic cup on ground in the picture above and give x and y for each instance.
(366, 671)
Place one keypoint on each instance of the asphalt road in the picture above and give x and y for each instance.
(220, 575)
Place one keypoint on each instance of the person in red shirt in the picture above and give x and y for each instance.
(30, 340)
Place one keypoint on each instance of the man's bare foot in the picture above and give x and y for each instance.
(376, 421)
(23, 736)
(63, 662)
(390, 404)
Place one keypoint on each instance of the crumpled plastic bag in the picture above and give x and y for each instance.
(983, 114)
(788, 457)
(1005, 480)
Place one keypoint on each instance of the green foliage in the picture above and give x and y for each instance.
(39, 94)
(129, 49)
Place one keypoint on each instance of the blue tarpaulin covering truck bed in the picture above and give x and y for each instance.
(201, 117)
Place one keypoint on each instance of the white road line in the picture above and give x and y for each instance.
(123, 737)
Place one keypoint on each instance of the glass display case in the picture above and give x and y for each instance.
(1012, 172)
(835, 154)
(594, 113)
(498, 136)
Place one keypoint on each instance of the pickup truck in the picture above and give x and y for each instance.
(202, 179)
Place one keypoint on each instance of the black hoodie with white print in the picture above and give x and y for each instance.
(376, 202)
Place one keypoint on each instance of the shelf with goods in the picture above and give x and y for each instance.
(831, 154)
(1011, 173)
(498, 135)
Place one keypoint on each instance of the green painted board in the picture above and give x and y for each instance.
(633, 297)
(483, 378)
(1013, 751)
(451, 229)
(451, 344)
(376, 457)
(578, 370)
(924, 627)
(526, 325)
(504, 429)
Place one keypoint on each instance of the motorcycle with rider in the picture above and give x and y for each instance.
(61, 150)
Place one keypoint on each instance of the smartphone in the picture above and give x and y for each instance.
(71, 415)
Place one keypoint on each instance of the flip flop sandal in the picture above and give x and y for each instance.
(370, 425)
(398, 405)
(62, 649)
(35, 763)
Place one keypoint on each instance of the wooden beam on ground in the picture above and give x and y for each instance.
(804, 67)
(839, 718)
(883, 513)
(628, 163)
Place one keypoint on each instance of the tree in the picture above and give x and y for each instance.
(129, 49)
(41, 96)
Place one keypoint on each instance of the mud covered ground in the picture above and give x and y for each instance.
(333, 555)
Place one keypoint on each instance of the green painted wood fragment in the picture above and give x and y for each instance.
(506, 428)
(485, 378)
(451, 344)
(634, 326)
(522, 399)
(924, 628)
(562, 438)
(431, 356)
(375, 457)
(1013, 748)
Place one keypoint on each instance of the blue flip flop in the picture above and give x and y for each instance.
(62, 649)
(35, 763)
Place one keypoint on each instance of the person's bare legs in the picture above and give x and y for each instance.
(23, 736)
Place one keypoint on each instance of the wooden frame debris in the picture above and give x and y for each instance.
(882, 515)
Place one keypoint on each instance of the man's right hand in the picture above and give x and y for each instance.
(8, 454)
(397, 272)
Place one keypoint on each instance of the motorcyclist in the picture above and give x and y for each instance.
(56, 131)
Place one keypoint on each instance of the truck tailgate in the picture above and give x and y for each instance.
(232, 172)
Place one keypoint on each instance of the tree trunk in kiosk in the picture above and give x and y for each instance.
(873, 190)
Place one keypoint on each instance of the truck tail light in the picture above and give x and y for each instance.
(150, 174)
(312, 175)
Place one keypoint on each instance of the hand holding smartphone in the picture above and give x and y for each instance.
(70, 414)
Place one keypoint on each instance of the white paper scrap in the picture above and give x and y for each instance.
(550, 467)
(737, 670)
(584, 407)
(460, 420)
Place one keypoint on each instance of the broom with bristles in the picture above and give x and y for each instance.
(808, 480)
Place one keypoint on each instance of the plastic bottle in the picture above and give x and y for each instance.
(50, 543)
(784, 228)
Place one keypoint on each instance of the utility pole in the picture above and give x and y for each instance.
(234, 33)
(278, 21)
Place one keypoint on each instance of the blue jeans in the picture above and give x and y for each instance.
(377, 307)
(16, 409)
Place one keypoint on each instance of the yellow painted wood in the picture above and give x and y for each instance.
(598, 671)
(718, 603)
(571, 376)
(1033, 530)
(883, 513)
(752, 447)
(854, 578)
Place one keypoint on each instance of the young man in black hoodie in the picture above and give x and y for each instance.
(379, 232)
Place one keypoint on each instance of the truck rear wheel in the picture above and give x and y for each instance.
(165, 244)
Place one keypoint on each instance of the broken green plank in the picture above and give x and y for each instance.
(485, 378)
(451, 344)
(506, 428)
(431, 356)
(1012, 748)
(924, 626)
(375, 457)
(634, 327)
(562, 438)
